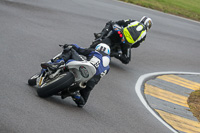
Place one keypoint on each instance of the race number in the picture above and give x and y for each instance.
(95, 61)
(103, 73)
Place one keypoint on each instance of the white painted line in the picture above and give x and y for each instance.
(139, 90)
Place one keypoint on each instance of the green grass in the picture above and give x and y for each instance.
(185, 8)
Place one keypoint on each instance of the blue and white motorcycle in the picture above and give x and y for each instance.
(66, 76)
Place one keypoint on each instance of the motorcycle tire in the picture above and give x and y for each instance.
(57, 85)
(32, 80)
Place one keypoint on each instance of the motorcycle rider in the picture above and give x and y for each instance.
(98, 57)
(134, 33)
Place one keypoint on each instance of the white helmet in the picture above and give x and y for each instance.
(103, 47)
(147, 22)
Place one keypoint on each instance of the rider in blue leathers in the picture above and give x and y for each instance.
(98, 57)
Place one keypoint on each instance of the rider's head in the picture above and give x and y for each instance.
(103, 48)
(147, 22)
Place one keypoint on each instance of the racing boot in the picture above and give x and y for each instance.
(104, 32)
(101, 35)
(65, 93)
(97, 35)
(78, 99)
(52, 66)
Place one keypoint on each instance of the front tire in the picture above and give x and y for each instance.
(32, 81)
(56, 86)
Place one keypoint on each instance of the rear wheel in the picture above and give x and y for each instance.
(56, 85)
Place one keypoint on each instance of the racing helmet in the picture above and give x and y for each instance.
(103, 48)
(147, 22)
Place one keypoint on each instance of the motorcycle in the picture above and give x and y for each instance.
(115, 46)
(64, 79)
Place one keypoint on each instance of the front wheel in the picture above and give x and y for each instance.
(32, 81)
(56, 85)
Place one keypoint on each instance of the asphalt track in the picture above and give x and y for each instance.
(30, 32)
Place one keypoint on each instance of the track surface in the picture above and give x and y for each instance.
(30, 32)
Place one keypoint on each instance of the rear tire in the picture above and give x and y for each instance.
(56, 86)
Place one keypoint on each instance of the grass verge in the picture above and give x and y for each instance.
(194, 103)
(184, 8)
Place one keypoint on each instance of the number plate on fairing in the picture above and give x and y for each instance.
(95, 61)
(84, 71)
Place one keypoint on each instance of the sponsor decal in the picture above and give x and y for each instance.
(84, 71)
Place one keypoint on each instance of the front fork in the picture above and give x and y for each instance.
(40, 79)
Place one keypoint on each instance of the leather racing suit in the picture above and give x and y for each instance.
(134, 33)
(100, 61)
